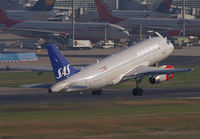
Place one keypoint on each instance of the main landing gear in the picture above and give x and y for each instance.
(137, 91)
(97, 92)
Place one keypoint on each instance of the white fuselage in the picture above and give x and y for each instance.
(30, 15)
(93, 14)
(83, 31)
(112, 69)
(192, 26)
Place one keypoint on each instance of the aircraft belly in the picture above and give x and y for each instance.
(98, 83)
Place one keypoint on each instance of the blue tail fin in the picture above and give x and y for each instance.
(61, 67)
(164, 6)
(44, 5)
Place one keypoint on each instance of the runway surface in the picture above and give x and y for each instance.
(23, 96)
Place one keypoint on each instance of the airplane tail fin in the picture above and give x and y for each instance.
(5, 20)
(164, 6)
(43, 5)
(61, 67)
(105, 14)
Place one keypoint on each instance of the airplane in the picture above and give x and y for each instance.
(41, 29)
(135, 62)
(192, 26)
(42, 10)
(163, 10)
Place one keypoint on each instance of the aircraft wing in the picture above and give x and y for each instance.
(38, 33)
(30, 68)
(142, 71)
(40, 69)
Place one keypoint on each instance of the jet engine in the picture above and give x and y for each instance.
(161, 78)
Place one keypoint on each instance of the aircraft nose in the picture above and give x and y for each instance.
(125, 34)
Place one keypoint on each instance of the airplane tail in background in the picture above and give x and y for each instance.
(61, 67)
(105, 14)
(7, 21)
(164, 6)
(43, 5)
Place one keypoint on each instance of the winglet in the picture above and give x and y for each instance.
(61, 67)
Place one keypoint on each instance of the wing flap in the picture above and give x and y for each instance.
(143, 71)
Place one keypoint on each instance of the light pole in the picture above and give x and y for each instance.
(73, 27)
(183, 17)
(105, 34)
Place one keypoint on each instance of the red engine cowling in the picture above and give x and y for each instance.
(163, 77)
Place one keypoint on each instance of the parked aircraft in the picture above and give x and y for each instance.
(162, 11)
(83, 31)
(192, 26)
(42, 10)
(134, 62)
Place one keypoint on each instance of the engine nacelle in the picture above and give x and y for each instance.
(163, 77)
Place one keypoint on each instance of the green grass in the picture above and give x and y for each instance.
(154, 119)
(16, 79)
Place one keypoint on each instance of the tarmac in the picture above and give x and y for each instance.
(24, 96)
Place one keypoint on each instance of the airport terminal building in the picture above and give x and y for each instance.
(113, 4)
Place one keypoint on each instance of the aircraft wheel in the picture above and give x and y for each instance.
(140, 92)
(98, 92)
(137, 92)
(94, 93)
(134, 92)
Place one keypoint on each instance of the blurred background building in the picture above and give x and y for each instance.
(116, 4)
